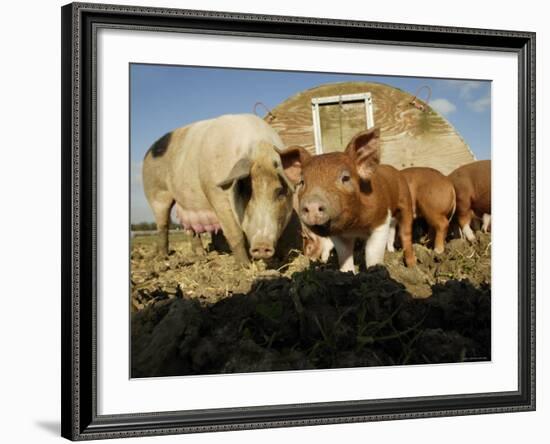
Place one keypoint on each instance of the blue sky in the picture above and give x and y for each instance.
(163, 98)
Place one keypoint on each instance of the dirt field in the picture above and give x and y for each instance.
(196, 313)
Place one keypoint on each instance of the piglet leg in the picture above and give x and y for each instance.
(486, 222)
(391, 235)
(377, 242)
(326, 247)
(464, 220)
(344, 250)
(405, 234)
(439, 226)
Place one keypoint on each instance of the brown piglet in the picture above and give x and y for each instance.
(349, 195)
(433, 199)
(472, 184)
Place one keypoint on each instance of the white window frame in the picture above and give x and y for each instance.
(334, 100)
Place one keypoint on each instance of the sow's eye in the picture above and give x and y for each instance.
(280, 192)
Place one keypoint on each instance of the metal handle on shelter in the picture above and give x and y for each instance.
(414, 102)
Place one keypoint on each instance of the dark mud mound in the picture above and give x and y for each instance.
(313, 319)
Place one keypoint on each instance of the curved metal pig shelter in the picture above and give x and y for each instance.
(324, 119)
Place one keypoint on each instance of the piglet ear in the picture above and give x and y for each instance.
(293, 160)
(239, 171)
(364, 150)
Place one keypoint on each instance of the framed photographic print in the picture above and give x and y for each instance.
(280, 221)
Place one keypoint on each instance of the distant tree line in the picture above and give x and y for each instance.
(149, 226)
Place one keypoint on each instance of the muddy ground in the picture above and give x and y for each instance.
(196, 313)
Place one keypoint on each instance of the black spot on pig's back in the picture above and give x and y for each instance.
(161, 145)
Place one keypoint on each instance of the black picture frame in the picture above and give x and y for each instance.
(79, 171)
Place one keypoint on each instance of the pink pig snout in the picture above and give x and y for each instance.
(262, 250)
(314, 210)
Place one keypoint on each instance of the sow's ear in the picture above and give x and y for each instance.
(293, 160)
(364, 150)
(239, 171)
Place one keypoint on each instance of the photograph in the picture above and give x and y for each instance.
(274, 221)
(296, 220)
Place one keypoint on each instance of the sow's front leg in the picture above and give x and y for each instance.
(237, 243)
(232, 231)
(235, 238)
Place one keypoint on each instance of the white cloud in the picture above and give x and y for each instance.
(469, 91)
(466, 88)
(443, 106)
(480, 104)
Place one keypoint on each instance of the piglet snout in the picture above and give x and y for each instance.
(261, 251)
(313, 211)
